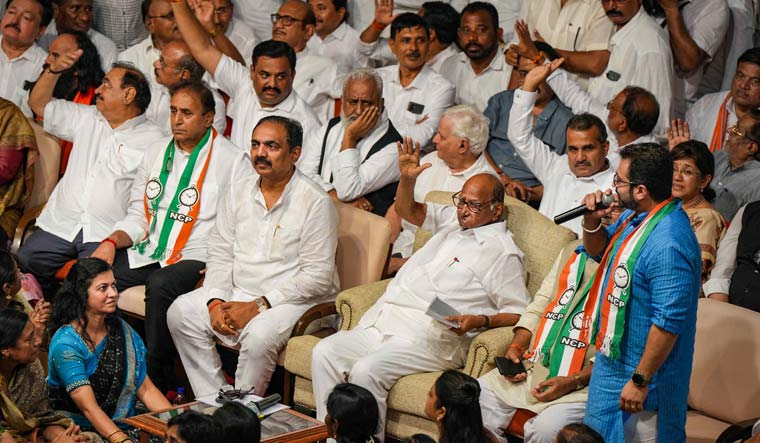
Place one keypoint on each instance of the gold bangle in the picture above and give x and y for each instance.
(578, 382)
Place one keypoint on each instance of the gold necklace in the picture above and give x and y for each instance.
(696, 203)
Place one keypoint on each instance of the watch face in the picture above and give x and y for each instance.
(639, 379)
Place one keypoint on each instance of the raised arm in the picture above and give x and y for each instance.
(687, 55)
(194, 34)
(383, 17)
(42, 92)
(410, 168)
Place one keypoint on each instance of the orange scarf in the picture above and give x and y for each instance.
(719, 133)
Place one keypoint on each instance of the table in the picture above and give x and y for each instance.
(285, 426)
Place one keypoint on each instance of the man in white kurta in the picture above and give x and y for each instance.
(271, 256)
(470, 263)
(334, 38)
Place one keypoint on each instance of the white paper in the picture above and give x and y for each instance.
(439, 310)
(211, 400)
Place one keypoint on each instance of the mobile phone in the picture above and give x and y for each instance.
(507, 367)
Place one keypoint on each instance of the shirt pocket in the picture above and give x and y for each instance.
(284, 242)
(123, 161)
(452, 276)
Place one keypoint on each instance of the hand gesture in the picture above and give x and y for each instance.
(539, 74)
(63, 61)
(40, 316)
(510, 56)
(70, 435)
(409, 159)
(363, 124)
(204, 12)
(466, 323)
(553, 388)
(106, 251)
(517, 190)
(592, 202)
(632, 398)
(237, 314)
(384, 12)
(677, 133)
(218, 322)
(514, 354)
(525, 46)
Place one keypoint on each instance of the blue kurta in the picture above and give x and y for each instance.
(664, 292)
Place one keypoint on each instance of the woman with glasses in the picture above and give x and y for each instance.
(693, 169)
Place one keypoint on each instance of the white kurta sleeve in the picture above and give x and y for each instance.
(221, 245)
(570, 93)
(353, 179)
(61, 117)
(725, 259)
(536, 155)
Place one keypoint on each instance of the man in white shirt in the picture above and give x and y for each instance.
(333, 37)
(265, 88)
(109, 140)
(566, 180)
(271, 256)
(76, 15)
(174, 66)
(639, 56)
(480, 71)
(21, 60)
(713, 115)
(237, 31)
(471, 263)
(318, 79)
(255, 14)
(162, 26)
(354, 156)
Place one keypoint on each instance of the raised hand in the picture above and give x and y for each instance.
(677, 133)
(384, 12)
(539, 74)
(63, 61)
(525, 46)
(409, 159)
(204, 12)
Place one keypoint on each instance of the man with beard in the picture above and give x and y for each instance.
(353, 156)
(162, 243)
(109, 140)
(271, 256)
(647, 287)
(480, 71)
(566, 181)
(76, 15)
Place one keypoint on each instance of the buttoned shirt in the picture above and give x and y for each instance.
(245, 109)
(285, 253)
(734, 187)
(256, 13)
(142, 55)
(703, 115)
(437, 62)
(562, 189)
(725, 259)
(478, 271)
(438, 177)
(476, 89)
(119, 20)
(318, 82)
(159, 109)
(341, 45)
(243, 37)
(105, 46)
(227, 164)
(416, 109)
(550, 127)
(639, 56)
(13, 74)
(93, 194)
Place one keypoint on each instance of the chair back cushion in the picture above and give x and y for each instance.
(725, 378)
(363, 244)
(46, 166)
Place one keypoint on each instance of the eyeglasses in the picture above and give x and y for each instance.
(286, 19)
(169, 16)
(222, 10)
(686, 171)
(612, 108)
(473, 206)
(735, 130)
(616, 181)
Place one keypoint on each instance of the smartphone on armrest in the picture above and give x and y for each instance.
(507, 367)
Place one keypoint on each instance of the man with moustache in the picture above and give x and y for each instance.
(21, 60)
(353, 156)
(109, 140)
(271, 256)
(334, 37)
(566, 181)
(265, 88)
(162, 242)
(480, 71)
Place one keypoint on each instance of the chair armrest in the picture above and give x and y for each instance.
(24, 224)
(487, 345)
(737, 432)
(314, 313)
(353, 303)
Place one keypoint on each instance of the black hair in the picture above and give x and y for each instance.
(46, 14)
(700, 153)
(70, 303)
(12, 324)
(293, 129)
(651, 166)
(136, 79)
(202, 92)
(191, 65)
(751, 55)
(408, 20)
(310, 18)
(640, 110)
(419, 438)
(8, 268)
(460, 395)
(586, 121)
(195, 427)
(549, 52)
(578, 433)
(274, 49)
(443, 19)
(355, 410)
(483, 7)
(239, 424)
(753, 133)
(144, 8)
(341, 4)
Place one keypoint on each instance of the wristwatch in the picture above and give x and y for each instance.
(261, 303)
(639, 380)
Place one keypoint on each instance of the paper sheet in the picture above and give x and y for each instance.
(439, 310)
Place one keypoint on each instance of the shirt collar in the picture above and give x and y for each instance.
(418, 81)
(549, 109)
(28, 55)
(289, 189)
(477, 165)
(339, 32)
(625, 33)
(485, 233)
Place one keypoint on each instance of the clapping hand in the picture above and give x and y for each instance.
(409, 159)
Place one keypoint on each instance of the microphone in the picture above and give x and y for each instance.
(607, 201)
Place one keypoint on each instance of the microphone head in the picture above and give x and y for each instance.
(607, 200)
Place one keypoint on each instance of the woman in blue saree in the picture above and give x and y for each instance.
(96, 362)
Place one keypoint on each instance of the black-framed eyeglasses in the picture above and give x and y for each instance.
(616, 181)
(472, 206)
(169, 16)
(286, 19)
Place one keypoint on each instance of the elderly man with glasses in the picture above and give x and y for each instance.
(471, 263)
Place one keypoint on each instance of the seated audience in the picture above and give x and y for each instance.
(354, 156)
(271, 256)
(334, 37)
(96, 361)
(711, 118)
(471, 263)
(11, 296)
(162, 242)
(566, 180)
(239, 423)
(578, 433)
(453, 403)
(109, 140)
(25, 411)
(192, 427)
(351, 414)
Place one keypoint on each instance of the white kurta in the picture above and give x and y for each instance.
(319, 82)
(342, 46)
(142, 55)
(243, 37)
(725, 259)
(705, 112)
(105, 46)
(476, 89)
(14, 73)
(256, 13)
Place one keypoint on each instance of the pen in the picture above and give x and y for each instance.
(455, 260)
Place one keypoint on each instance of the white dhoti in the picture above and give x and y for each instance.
(367, 358)
(261, 341)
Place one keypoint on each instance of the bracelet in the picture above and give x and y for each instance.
(519, 348)
(591, 231)
(50, 70)
(379, 27)
(488, 321)
(538, 57)
(126, 437)
(213, 305)
(578, 382)
(112, 433)
(110, 240)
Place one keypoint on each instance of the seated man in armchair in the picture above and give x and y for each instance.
(471, 263)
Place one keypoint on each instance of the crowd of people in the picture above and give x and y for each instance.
(253, 117)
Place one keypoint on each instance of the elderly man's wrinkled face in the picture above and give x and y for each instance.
(73, 15)
(272, 79)
(328, 17)
(745, 89)
(586, 154)
(475, 203)
(110, 96)
(21, 22)
(272, 157)
(477, 35)
(357, 97)
(448, 146)
(188, 121)
(166, 68)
